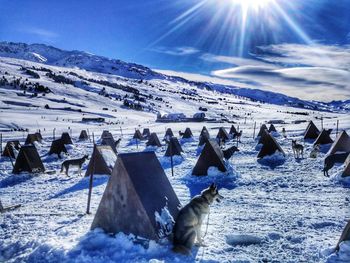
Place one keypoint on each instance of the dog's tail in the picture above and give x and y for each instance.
(181, 250)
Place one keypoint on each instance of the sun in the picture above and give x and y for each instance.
(252, 4)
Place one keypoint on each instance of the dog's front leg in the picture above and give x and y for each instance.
(199, 235)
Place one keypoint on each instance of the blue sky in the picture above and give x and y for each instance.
(200, 37)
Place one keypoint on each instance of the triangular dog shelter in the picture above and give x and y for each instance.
(262, 129)
(102, 160)
(263, 138)
(153, 140)
(222, 135)
(211, 155)
(136, 192)
(168, 133)
(137, 135)
(38, 135)
(146, 133)
(28, 160)
(187, 134)
(311, 131)
(233, 130)
(323, 138)
(204, 131)
(83, 136)
(31, 138)
(57, 146)
(347, 167)
(174, 147)
(345, 236)
(270, 145)
(341, 143)
(203, 139)
(11, 146)
(110, 142)
(66, 138)
(272, 128)
(106, 134)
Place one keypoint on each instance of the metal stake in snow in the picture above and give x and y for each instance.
(89, 135)
(254, 130)
(0, 144)
(91, 183)
(336, 134)
(171, 158)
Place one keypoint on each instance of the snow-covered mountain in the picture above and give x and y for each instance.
(49, 55)
(53, 56)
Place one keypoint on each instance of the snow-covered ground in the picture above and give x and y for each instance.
(284, 213)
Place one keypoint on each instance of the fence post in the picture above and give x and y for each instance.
(254, 130)
(337, 128)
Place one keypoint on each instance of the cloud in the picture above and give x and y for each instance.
(177, 51)
(41, 33)
(238, 61)
(316, 55)
(313, 72)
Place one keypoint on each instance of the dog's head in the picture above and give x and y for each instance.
(212, 194)
(86, 157)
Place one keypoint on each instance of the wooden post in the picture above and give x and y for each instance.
(254, 130)
(13, 166)
(0, 144)
(337, 128)
(322, 123)
(91, 183)
(171, 158)
(93, 139)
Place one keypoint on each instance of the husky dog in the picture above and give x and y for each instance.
(189, 221)
(284, 133)
(315, 151)
(73, 162)
(332, 159)
(237, 135)
(229, 152)
(297, 149)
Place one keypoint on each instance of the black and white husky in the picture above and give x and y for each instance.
(188, 223)
(332, 159)
(298, 149)
(73, 163)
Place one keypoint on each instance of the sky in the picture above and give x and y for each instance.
(300, 48)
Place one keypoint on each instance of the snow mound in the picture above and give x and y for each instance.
(221, 179)
(165, 222)
(273, 160)
(343, 255)
(166, 161)
(244, 240)
(109, 157)
(187, 140)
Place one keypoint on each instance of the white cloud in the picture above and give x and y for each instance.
(44, 33)
(177, 51)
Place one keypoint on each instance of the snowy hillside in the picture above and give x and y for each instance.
(77, 59)
(284, 212)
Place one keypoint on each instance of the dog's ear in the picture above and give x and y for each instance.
(212, 186)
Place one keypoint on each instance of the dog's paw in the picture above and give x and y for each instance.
(200, 244)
